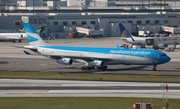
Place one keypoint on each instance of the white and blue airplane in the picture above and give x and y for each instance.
(18, 36)
(93, 56)
(128, 38)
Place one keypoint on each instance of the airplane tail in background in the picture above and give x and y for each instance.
(124, 32)
(33, 38)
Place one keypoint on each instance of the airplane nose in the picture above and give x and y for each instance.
(166, 59)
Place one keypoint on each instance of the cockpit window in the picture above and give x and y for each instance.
(163, 54)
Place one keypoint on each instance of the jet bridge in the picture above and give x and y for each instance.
(90, 32)
(165, 41)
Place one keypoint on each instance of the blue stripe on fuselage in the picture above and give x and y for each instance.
(31, 39)
(121, 51)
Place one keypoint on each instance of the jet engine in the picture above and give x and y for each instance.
(65, 61)
(96, 63)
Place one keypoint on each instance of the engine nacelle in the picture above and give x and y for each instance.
(96, 63)
(65, 61)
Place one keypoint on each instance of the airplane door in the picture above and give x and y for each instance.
(154, 55)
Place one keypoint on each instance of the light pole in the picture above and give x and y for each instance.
(33, 7)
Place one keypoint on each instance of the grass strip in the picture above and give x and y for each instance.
(88, 76)
(81, 103)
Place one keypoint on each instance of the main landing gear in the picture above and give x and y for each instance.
(102, 68)
(154, 67)
(87, 68)
(92, 67)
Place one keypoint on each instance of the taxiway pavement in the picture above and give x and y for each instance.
(12, 58)
(65, 88)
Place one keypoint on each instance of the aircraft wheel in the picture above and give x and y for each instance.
(19, 40)
(92, 67)
(154, 69)
(99, 68)
(104, 67)
(88, 68)
(83, 68)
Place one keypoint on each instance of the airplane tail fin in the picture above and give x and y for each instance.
(33, 38)
(124, 32)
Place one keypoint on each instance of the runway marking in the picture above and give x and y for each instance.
(42, 64)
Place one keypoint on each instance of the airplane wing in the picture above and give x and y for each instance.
(82, 58)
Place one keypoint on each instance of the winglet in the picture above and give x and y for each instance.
(124, 33)
(117, 46)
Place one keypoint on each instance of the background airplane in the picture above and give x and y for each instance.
(92, 56)
(155, 41)
(18, 37)
(13, 36)
(128, 38)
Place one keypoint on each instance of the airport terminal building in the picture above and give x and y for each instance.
(62, 16)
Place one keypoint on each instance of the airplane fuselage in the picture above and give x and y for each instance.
(113, 55)
(11, 36)
(137, 40)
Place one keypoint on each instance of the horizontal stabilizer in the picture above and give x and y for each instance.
(27, 53)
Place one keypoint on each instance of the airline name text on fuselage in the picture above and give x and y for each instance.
(130, 52)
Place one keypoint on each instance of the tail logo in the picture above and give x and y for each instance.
(124, 32)
(40, 30)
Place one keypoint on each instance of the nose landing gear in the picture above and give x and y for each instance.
(102, 68)
(86, 68)
(154, 67)
(92, 67)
